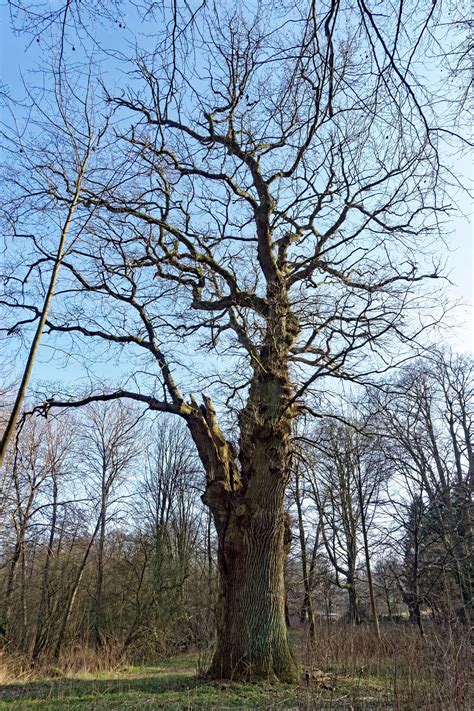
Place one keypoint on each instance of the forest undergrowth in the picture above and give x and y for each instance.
(347, 667)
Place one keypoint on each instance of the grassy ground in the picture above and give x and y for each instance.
(348, 669)
(175, 685)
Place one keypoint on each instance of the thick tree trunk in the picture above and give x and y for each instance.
(253, 534)
(247, 504)
(252, 640)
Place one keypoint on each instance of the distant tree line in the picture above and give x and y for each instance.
(384, 500)
(106, 542)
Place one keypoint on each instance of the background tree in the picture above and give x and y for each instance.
(59, 437)
(28, 474)
(168, 510)
(308, 544)
(334, 485)
(430, 445)
(108, 445)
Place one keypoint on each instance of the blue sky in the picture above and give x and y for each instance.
(18, 58)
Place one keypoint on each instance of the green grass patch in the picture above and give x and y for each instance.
(173, 684)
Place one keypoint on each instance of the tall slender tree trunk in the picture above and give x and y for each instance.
(13, 417)
(307, 607)
(24, 609)
(370, 582)
(42, 619)
(23, 515)
(353, 600)
(99, 583)
(10, 584)
(72, 595)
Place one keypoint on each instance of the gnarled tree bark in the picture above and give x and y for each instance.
(247, 504)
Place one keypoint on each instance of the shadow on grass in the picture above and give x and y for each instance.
(65, 686)
(173, 688)
(160, 690)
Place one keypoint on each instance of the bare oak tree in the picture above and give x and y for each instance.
(264, 191)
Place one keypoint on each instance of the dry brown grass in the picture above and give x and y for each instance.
(76, 659)
(430, 672)
(14, 667)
